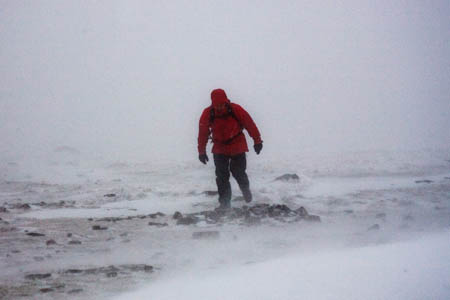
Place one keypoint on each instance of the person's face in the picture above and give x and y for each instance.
(220, 108)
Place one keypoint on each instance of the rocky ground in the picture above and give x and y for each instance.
(99, 257)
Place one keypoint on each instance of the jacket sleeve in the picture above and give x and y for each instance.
(203, 131)
(247, 122)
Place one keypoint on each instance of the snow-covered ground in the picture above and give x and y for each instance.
(384, 230)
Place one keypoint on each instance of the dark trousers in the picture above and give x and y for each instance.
(237, 165)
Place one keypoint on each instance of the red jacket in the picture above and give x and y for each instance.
(225, 131)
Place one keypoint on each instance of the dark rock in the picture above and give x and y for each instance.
(109, 195)
(25, 206)
(46, 290)
(35, 234)
(155, 215)
(69, 234)
(374, 227)
(188, 220)
(50, 242)
(158, 224)
(177, 215)
(75, 242)
(73, 271)
(74, 291)
(98, 227)
(210, 193)
(38, 276)
(380, 215)
(3, 209)
(206, 235)
(288, 177)
(424, 181)
(301, 211)
(90, 219)
(138, 267)
(111, 274)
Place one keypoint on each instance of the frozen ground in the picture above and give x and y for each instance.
(384, 231)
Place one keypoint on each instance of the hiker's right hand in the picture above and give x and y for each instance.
(203, 158)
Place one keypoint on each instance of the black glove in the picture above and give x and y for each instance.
(258, 148)
(203, 158)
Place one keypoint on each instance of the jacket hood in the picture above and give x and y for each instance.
(218, 97)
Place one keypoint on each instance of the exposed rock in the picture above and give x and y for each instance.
(46, 290)
(109, 195)
(75, 242)
(155, 215)
(158, 224)
(380, 215)
(35, 234)
(38, 276)
(3, 209)
(25, 206)
(69, 234)
(50, 242)
(210, 193)
(424, 181)
(206, 235)
(374, 227)
(98, 227)
(288, 177)
(177, 215)
(111, 274)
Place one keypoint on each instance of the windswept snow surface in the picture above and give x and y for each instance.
(416, 269)
(384, 231)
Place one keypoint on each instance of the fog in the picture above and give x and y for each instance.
(129, 79)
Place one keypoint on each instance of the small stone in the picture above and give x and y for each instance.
(69, 234)
(301, 211)
(38, 276)
(3, 209)
(109, 195)
(424, 181)
(155, 215)
(211, 193)
(35, 234)
(158, 224)
(177, 215)
(288, 177)
(374, 227)
(46, 290)
(75, 242)
(75, 291)
(98, 227)
(111, 274)
(206, 235)
(380, 215)
(25, 206)
(50, 242)
(73, 271)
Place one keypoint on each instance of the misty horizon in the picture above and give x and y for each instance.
(130, 80)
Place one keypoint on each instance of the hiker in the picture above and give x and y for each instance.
(225, 122)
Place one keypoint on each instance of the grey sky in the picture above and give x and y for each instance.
(130, 78)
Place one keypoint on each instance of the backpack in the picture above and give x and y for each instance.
(212, 117)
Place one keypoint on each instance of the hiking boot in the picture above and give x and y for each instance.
(224, 206)
(247, 195)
